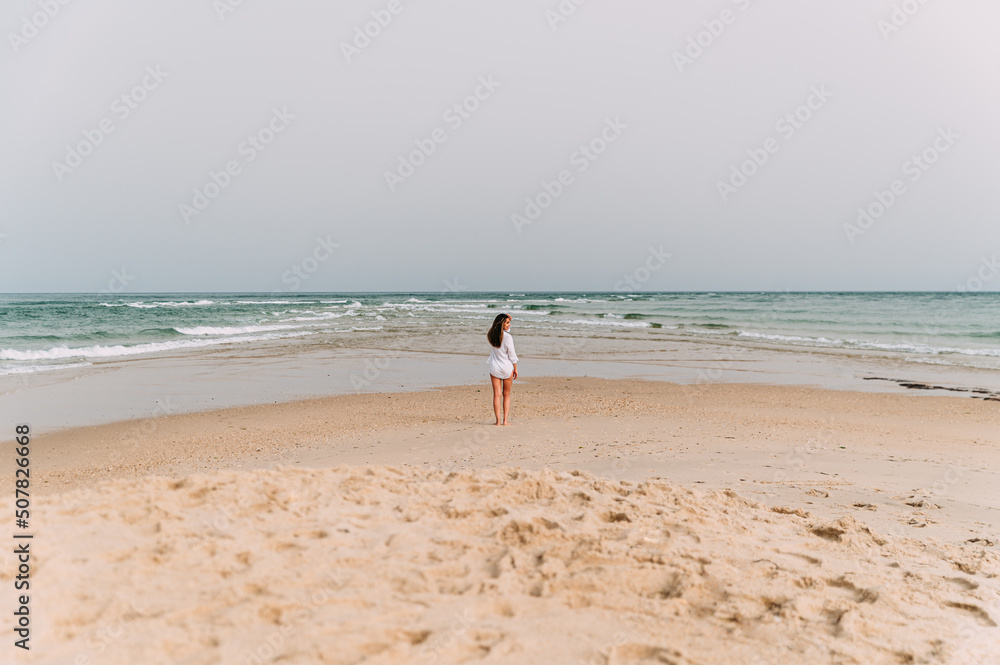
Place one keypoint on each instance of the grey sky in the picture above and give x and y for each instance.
(885, 97)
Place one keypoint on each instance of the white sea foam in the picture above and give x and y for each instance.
(872, 325)
(619, 324)
(231, 330)
(32, 369)
(790, 338)
(61, 352)
(318, 317)
(170, 303)
(473, 303)
(139, 304)
(903, 347)
(435, 308)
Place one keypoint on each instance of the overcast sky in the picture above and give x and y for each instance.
(639, 116)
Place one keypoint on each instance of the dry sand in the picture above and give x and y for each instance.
(787, 525)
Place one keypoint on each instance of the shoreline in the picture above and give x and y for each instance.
(284, 371)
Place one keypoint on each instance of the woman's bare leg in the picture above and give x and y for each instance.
(497, 398)
(507, 383)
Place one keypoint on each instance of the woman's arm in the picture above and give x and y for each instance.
(511, 354)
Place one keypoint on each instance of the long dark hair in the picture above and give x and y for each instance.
(495, 335)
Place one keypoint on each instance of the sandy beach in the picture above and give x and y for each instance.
(264, 266)
(616, 521)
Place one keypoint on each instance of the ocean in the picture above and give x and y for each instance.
(52, 333)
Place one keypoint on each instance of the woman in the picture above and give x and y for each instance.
(503, 365)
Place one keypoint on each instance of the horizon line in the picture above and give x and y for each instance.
(513, 292)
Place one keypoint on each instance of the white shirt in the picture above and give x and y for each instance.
(502, 359)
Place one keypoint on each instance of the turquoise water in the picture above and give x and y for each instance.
(52, 332)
